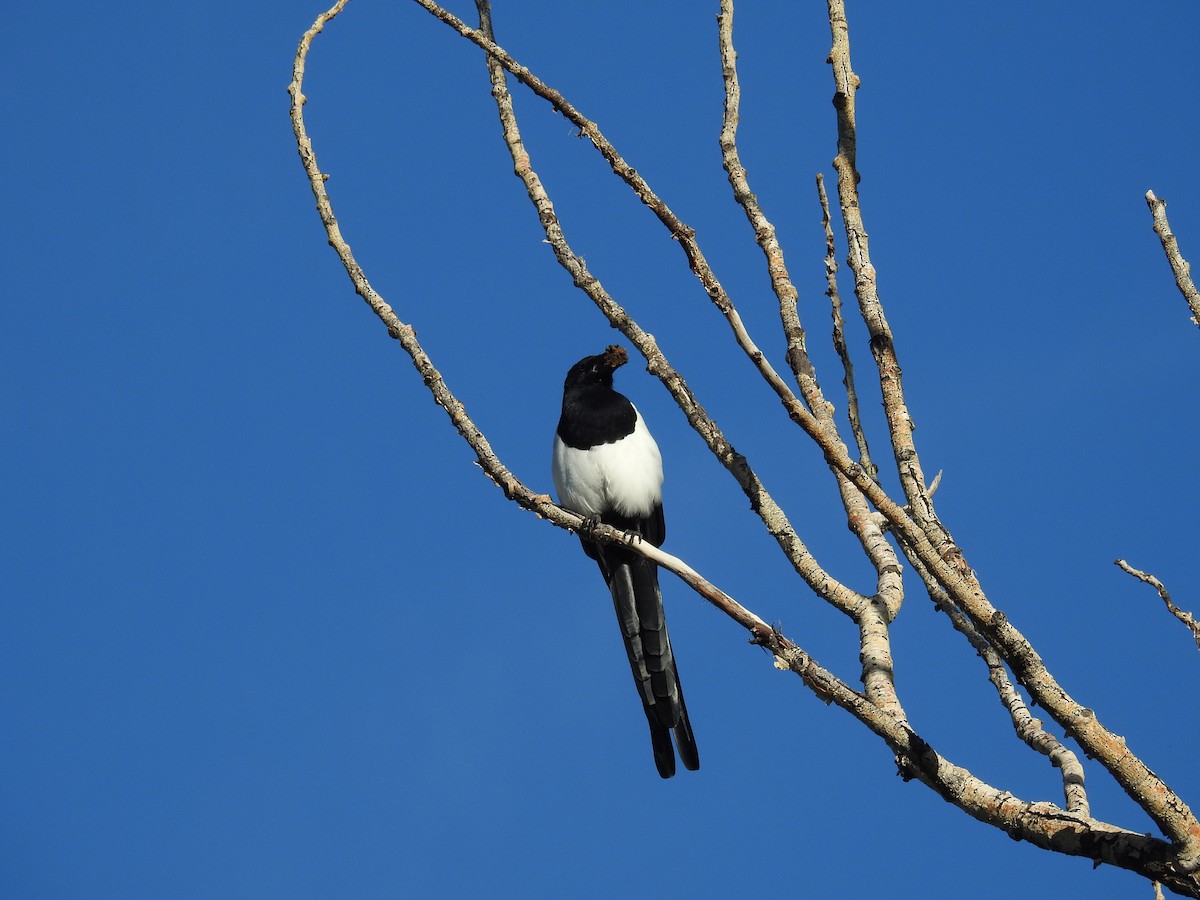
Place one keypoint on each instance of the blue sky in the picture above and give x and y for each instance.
(267, 632)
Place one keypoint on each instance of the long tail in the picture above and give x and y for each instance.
(633, 580)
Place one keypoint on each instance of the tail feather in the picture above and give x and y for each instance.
(664, 753)
(624, 596)
(656, 646)
(633, 581)
(689, 755)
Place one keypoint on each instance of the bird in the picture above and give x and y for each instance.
(607, 468)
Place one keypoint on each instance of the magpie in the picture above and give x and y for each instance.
(608, 468)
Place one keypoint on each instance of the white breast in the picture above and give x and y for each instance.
(624, 477)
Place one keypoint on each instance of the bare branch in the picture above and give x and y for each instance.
(878, 672)
(1180, 266)
(900, 422)
(764, 231)
(1181, 614)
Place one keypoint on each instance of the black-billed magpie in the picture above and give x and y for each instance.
(607, 468)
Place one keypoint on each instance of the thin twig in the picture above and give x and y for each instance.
(839, 334)
(1181, 614)
(1028, 728)
(933, 485)
(1180, 266)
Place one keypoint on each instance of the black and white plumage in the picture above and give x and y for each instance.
(608, 468)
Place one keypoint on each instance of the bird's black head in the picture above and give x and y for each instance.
(597, 369)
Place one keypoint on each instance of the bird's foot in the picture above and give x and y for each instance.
(588, 530)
